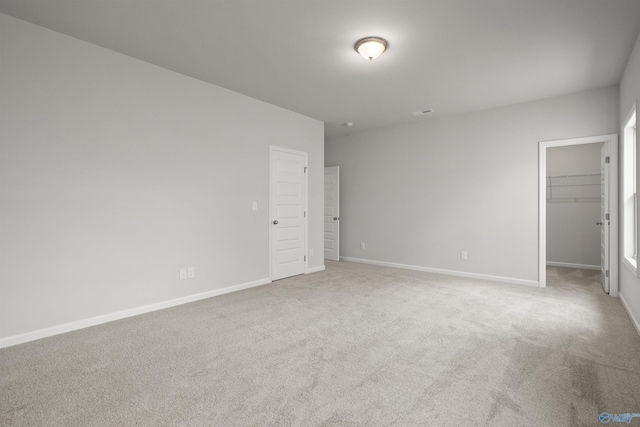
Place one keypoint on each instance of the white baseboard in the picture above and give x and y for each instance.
(570, 265)
(80, 324)
(635, 322)
(315, 269)
(447, 272)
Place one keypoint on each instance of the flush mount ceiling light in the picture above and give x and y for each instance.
(371, 47)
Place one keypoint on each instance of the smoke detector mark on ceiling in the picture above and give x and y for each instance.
(419, 113)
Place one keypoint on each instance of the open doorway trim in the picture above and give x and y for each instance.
(612, 141)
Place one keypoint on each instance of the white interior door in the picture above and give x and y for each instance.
(332, 213)
(605, 221)
(288, 212)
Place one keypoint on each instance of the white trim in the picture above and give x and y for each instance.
(446, 272)
(93, 321)
(570, 265)
(634, 321)
(273, 148)
(631, 264)
(612, 140)
(315, 269)
(625, 125)
(632, 111)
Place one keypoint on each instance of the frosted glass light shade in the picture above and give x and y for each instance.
(371, 47)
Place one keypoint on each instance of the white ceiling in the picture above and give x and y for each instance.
(450, 55)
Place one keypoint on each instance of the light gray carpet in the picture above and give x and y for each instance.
(353, 345)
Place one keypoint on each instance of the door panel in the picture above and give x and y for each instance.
(604, 221)
(288, 220)
(332, 213)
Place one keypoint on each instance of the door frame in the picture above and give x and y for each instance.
(612, 141)
(273, 148)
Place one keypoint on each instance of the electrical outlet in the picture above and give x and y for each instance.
(254, 206)
(191, 273)
(361, 245)
(463, 255)
(311, 252)
(183, 273)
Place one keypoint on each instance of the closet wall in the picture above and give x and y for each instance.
(573, 205)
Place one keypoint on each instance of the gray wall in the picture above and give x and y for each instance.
(115, 173)
(630, 94)
(572, 234)
(419, 194)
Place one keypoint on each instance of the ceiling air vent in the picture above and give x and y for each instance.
(419, 113)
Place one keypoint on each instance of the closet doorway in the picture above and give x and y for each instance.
(578, 207)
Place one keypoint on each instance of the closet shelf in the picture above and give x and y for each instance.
(575, 188)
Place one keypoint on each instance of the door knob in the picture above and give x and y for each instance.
(599, 223)
(335, 218)
(275, 222)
